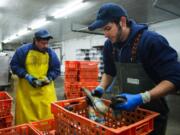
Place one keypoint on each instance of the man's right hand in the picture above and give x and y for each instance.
(98, 92)
(46, 81)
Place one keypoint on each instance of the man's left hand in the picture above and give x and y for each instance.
(133, 100)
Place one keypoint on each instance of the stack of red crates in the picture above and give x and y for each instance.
(80, 74)
(88, 71)
(6, 116)
(72, 89)
(88, 75)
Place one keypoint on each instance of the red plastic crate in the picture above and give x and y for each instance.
(24, 129)
(70, 95)
(89, 84)
(5, 104)
(88, 76)
(6, 121)
(71, 78)
(88, 66)
(71, 73)
(88, 79)
(138, 122)
(44, 127)
(72, 87)
(87, 73)
(71, 65)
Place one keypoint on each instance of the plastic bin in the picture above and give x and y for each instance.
(6, 121)
(71, 65)
(138, 122)
(72, 87)
(70, 95)
(5, 104)
(24, 129)
(44, 127)
(88, 66)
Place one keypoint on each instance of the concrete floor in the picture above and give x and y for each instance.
(173, 127)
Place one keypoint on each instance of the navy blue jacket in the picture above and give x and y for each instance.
(158, 58)
(18, 61)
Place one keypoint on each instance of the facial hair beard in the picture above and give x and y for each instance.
(43, 49)
(118, 35)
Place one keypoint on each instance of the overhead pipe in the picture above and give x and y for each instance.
(166, 10)
(85, 30)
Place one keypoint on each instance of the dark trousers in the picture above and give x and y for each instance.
(160, 122)
(160, 125)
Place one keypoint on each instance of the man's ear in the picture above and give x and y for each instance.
(123, 21)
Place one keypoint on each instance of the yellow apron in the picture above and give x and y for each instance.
(33, 104)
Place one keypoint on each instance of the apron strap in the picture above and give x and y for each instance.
(134, 47)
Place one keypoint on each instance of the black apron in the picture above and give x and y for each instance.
(132, 78)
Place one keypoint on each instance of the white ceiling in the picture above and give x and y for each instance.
(18, 14)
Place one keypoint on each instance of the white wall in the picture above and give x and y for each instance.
(171, 31)
(69, 47)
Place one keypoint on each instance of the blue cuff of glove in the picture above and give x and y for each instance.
(28, 77)
(50, 78)
(100, 89)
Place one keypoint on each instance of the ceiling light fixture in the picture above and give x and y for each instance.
(64, 12)
(72, 7)
(5, 41)
(38, 23)
(3, 3)
(23, 32)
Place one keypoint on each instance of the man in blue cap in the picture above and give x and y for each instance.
(144, 64)
(36, 66)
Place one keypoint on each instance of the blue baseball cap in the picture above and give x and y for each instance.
(43, 33)
(107, 13)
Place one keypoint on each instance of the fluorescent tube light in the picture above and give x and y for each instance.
(72, 7)
(23, 32)
(3, 3)
(39, 23)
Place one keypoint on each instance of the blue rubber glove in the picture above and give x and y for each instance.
(133, 100)
(98, 92)
(46, 81)
(31, 80)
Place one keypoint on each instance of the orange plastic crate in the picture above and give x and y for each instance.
(138, 122)
(71, 73)
(88, 79)
(24, 129)
(88, 66)
(70, 95)
(72, 87)
(87, 73)
(6, 121)
(88, 76)
(71, 65)
(89, 84)
(44, 127)
(5, 104)
(71, 78)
